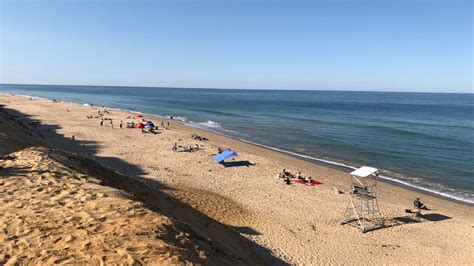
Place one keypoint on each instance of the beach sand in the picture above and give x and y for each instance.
(274, 222)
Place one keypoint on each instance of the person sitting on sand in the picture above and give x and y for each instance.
(419, 205)
(288, 181)
(299, 176)
(285, 173)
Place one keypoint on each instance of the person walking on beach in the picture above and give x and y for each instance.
(121, 124)
(102, 122)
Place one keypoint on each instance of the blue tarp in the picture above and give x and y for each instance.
(149, 124)
(224, 155)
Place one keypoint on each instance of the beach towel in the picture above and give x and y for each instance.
(312, 182)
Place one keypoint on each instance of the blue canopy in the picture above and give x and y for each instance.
(224, 155)
(149, 124)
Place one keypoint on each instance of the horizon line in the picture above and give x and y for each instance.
(210, 88)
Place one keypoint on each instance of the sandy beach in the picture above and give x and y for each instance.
(137, 200)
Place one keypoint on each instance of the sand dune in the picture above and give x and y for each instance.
(53, 214)
(244, 212)
(61, 208)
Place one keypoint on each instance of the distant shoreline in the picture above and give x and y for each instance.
(242, 89)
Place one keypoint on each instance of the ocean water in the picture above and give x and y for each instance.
(424, 140)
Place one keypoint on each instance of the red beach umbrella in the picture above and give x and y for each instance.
(139, 125)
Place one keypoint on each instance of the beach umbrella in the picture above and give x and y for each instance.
(150, 124)
(139, 125)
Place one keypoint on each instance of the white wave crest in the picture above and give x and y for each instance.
(210, 124)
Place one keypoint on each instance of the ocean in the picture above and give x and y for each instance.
(423, 140)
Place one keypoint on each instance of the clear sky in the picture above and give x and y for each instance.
(381, 45)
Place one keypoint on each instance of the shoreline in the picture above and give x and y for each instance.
(248, 198)
(321, 162)
(346, 168)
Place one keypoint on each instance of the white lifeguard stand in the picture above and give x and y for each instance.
(363, 208)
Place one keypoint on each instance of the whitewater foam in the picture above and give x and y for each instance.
(210, 123)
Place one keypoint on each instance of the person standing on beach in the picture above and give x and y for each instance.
(102, 122)
(121, 124)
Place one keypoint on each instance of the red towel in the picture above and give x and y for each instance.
(311, 183)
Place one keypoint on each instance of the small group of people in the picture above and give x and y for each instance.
(197, 137)
(187, 148)
(149, 130)
(191, 148)
(288, 177)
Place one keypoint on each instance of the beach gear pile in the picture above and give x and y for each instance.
(290, 178)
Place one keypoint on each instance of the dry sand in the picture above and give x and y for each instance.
(277, 223)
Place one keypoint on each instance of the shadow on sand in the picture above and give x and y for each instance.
(237, 163)
(410, 219)
(226, 241)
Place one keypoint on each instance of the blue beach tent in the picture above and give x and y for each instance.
(149, 124)
(224, 155)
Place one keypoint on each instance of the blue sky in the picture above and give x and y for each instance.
(324, 45)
